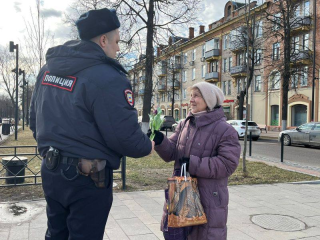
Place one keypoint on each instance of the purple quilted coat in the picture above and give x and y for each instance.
(214, 151)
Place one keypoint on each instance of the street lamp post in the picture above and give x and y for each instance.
(27, 83)
(314, 57)
(16, 47)
(23, 84)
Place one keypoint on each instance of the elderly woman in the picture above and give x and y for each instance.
(210, 148)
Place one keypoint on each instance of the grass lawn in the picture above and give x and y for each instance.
(148, 173)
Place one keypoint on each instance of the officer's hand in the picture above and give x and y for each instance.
(185, 160)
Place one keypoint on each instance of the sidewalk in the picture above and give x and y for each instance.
(4, 137)
(292, 209)
(269, 135)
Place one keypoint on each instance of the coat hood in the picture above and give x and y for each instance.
(76, 55)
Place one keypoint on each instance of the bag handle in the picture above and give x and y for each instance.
(184, 169)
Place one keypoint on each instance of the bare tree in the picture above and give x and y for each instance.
(7, 73)
(283, 19)
(36, 42)
(144, 22)
(248, 37)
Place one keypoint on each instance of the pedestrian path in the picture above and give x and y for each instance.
(256, 212)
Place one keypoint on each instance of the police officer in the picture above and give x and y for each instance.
(83, 117)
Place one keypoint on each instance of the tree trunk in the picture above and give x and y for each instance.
(149, 69)
(241, 102)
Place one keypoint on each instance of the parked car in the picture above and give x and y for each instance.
(176, 124)
(307, 134)
(168, 122)
(240, 127)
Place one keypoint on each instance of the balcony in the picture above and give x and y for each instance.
(303, 57)
(236, 46)
(177, 67)
(162, 88)
(141, 92)
(213, 54)
(300, 24)
(238, 71)
(176, 85)
(162, 72)
(212, 77)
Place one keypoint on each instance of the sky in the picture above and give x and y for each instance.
(14, 13)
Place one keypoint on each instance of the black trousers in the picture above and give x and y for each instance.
(77, 209)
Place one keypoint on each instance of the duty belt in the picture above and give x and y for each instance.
(70, 161)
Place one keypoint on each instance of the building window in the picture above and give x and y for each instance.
(295, 44)
(258, 57)
(203, 71)
(299, 116)
(193, 73)
(305, 43)
(225, 42)
(229, 11)
(177, 96)
(297, 11)
(240, 59)
(185, 58)
(239, 86)
(203, 50)
(184, 93)
(163, 97)
(224, 87)
(257, 83)
(294, 80)
(214, 66)
(304, 77)
(230, 63)
(184, 76)
(169, 96)
(224, 65)
(276, 21)
(276, 51)
(306, 8)
(259, 29)
(275, 115)
(193, 54)
(229, 87)
(275, 80)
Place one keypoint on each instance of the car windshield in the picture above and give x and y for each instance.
(249, 124)
(307, 126)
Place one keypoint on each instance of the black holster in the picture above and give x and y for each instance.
(99, 178)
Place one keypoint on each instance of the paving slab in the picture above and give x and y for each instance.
(137, 215)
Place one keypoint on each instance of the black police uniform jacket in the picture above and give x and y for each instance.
(82, 105)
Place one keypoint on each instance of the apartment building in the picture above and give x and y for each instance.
(219, 56)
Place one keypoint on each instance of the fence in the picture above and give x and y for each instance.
(20, 166)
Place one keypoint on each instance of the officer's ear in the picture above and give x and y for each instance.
(103, 40)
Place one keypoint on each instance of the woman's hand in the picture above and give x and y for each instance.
(158, 138)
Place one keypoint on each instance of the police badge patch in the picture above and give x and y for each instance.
(129, 97)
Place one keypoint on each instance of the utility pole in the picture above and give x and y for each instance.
(16, 47)
(27, 83)
(23, 84)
